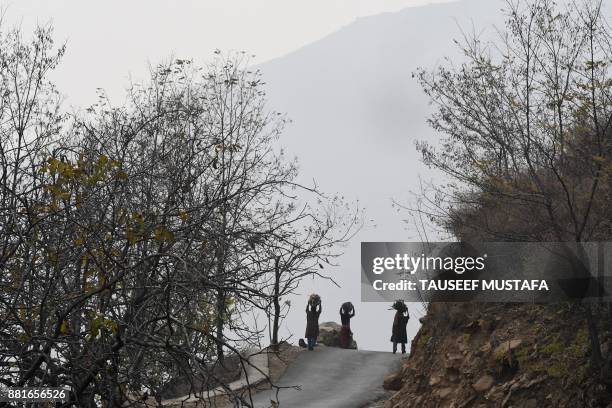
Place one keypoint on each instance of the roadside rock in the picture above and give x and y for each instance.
(484, 383)
(507, 346)
(329, 335)
(485, 348)
(443, 392)
(453, 360)
(434, 380)
(393, 382)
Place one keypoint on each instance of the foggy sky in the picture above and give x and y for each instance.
(111, 41)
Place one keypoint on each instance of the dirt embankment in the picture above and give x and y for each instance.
(500, 355)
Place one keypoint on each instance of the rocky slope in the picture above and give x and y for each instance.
(500, 355)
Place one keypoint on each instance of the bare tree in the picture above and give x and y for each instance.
(136, 238)
(30, 122)
(527, 122)
(304, 246)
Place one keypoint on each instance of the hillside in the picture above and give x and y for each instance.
(500, 355)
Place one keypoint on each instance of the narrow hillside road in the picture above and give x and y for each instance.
(332, 378)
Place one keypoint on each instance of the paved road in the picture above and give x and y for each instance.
(332, 378)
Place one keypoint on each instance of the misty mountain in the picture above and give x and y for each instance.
(356, 112)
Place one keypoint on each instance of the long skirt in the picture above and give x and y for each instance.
(345, 336)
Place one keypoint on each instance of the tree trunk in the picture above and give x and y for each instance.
(220, 306)
(219, 324)
(596, 359)
(594, 337)
(277, 308)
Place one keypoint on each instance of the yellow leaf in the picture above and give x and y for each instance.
(131, 236)
(162, 234)
(599, 158)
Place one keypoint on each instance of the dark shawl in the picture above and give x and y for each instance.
(400, 322)
(312, 320)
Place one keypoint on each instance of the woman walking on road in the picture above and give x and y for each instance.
(313, 311)
(347, 312)
(400, 321)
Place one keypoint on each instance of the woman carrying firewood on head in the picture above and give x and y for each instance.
(313, 311)
(400, 321)
(347, 311)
